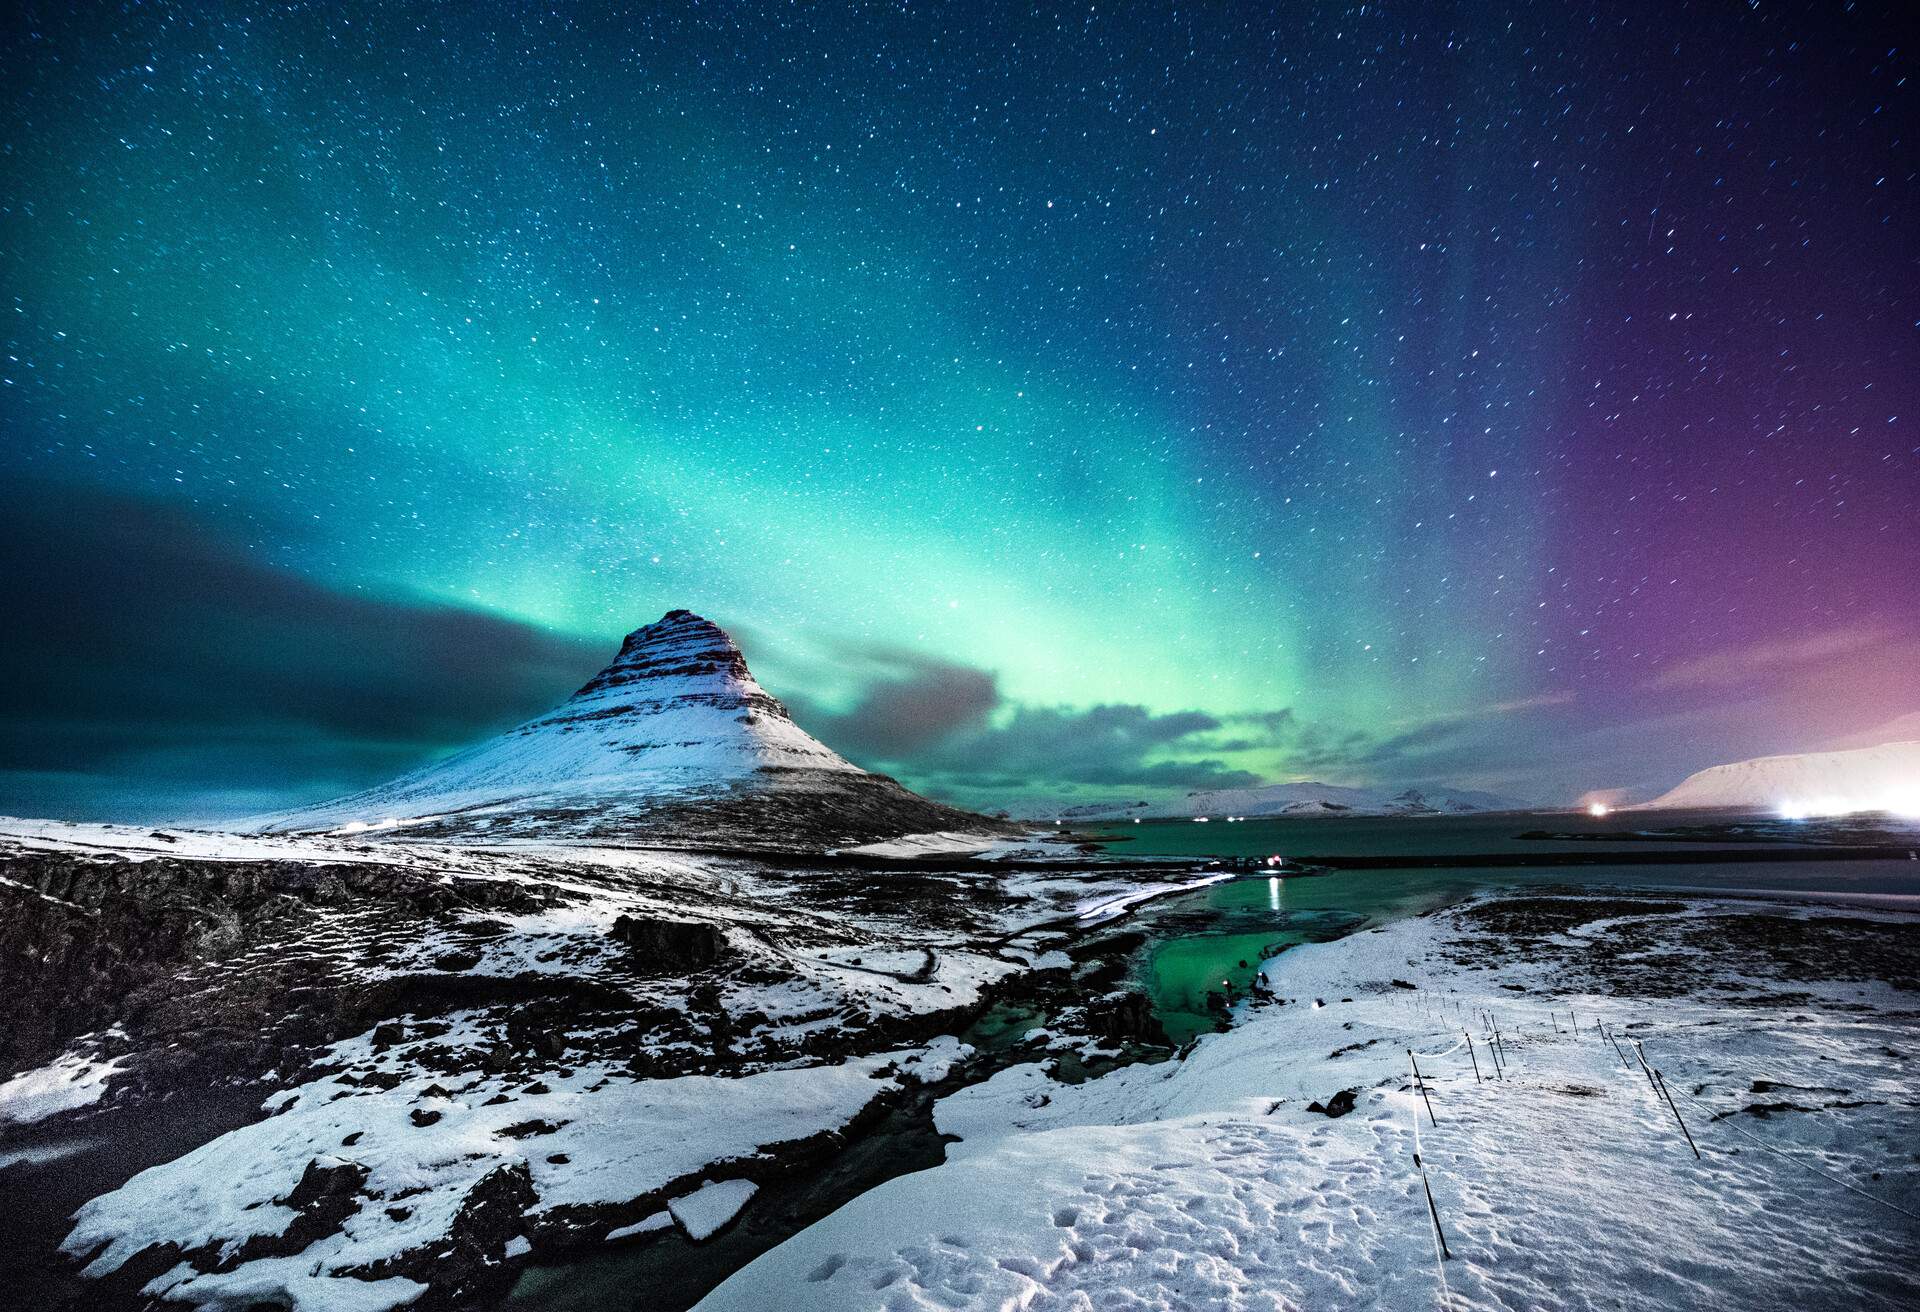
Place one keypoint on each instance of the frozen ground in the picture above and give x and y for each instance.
(68, 1082)
(416, 1153)
(472, 1055)
(1786, 1038)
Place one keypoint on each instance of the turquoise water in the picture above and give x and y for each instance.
(1213, 940)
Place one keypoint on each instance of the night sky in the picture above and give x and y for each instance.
(1087, 402)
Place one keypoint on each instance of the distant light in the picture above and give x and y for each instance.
(1136, 819)
(1899, 800)
(1599, 809)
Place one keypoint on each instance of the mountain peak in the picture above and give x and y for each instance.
(673, 737)
(678, 645)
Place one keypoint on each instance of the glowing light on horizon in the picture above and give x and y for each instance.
(1599, 810)
(1902, 801)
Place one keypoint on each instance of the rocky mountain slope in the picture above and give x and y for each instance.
(1883, 778)
(673, 744)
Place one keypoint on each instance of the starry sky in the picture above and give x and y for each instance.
(1081, 402)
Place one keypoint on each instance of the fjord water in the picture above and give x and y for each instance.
(1493, 832)
(1211, 941)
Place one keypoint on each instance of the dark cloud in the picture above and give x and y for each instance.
(945, 728)
(911, 704)
(154, 668)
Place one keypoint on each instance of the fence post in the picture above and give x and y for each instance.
(1476, 1061)
(1661, 1081)
(1421, 1085)
(1608, 1035)
(1433, 1209)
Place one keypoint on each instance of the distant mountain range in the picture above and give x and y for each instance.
(1301, 799)
(1883, 778)
(674, 743)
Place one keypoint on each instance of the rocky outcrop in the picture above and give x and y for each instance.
(87, 942)
(1337, 1106)
(470, 1266)
(1125, 1015)
(670, 946)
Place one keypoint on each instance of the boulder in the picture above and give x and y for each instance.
(1337, 1106)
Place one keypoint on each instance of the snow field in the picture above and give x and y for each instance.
(593, 1136)
(1207, 1184)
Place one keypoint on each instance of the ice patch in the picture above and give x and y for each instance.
(71, 1080)
(658, 1221)
(704, 1211)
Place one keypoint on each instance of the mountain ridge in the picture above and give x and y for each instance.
(1296, 799)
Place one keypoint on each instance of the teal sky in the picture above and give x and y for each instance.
(1336, 381)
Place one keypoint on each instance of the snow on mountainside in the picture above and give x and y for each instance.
(674, 740)
(1883, 778)
(1302, 799)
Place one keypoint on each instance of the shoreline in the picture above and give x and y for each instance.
(1238, 1176)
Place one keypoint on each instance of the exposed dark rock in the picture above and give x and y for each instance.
(87, 941)
(328, 1192)
(676, 946)
(1127, 1016)
(469, 1268)
(1337, 1106)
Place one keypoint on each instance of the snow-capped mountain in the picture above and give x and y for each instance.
(1301, 799)
(674, 741)
(1883, 778)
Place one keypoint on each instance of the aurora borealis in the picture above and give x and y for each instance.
(1060, 402)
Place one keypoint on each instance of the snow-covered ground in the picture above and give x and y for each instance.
(73, 1079)
(948, 842)
(593, 1136)
(464, 1030)
(1210, 1183)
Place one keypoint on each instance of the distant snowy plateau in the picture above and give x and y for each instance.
(1291, 800)
(1882, 778)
